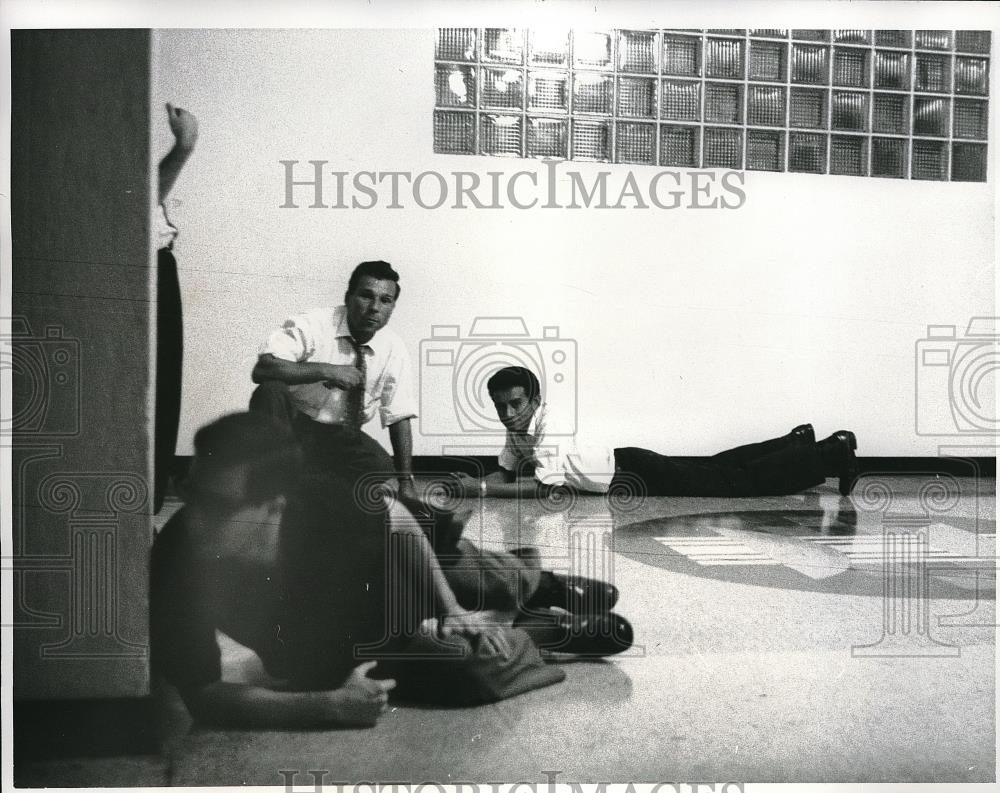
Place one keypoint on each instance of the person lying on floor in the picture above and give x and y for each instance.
(533, 462)
(287, 562)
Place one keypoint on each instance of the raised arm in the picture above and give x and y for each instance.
(184, 126)
(357, 703)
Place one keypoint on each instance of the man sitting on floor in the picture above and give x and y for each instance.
(533, 462)
(288, 563)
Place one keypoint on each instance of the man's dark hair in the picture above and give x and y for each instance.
(377, 269)
(267, 446)
(511, 376)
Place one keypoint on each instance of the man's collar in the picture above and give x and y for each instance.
(375, 344)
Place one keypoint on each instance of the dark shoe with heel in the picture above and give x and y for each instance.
(594, 636)
(839, 460)
(575, 594)
(803, 433)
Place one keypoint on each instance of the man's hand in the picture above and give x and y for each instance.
(465, 485)
(476, 623)
(406, 488)
(341, 376)
(362, 700)
(184, 126)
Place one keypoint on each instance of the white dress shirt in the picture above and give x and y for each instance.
(558, 460)
(322, 336)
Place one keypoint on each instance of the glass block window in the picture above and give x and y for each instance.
(904, 104)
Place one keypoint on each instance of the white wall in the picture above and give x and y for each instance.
(696, 329)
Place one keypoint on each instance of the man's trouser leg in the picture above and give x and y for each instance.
(742, 455)
(788, 470)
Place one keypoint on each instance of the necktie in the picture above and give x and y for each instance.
(355, 414)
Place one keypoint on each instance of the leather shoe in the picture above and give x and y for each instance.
(837, 453)
(575, 594)
(595, 636)
(803, 434)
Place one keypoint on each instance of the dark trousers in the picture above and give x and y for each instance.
(169, 365)
(345, 452)
(776, 467)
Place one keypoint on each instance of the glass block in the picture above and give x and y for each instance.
(889, 157)
(892, 69)
(889, 113)
(455, 86)
(850, 67)
(969, 119)
(968, 162)
(729, 31)
(724, 58)
(811, 34)
(503, 45)
(807, 152)
(454, 133)
(591, 50)
(933, 40)
(848, 155)
(810, 64)
(851, 36)
(549, 46)
(723, 148)
(767, 61)
(548, 90)
(932, 73)
(766, 106)
(637, 51)
(679, 146)
(971, 75)
(547, 137)
(503, 88)
(765, 150)
(807, 108)
(681, 55)
(770, 33)
(591, 140)
(892, 38)
(680, 100)
(723, 103)
(500, 135)
(930, 160)
(637, 97)
(635, 142)
(972, 41)
(849, 111)
(592, 93)
(456, 44)
(930, 115)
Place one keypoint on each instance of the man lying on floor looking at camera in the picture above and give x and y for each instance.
(290, 564)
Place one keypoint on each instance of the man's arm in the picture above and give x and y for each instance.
(185, 128)
(501, 484)
(401, 438)
(426, 568)
(357, 703)
(269, 367)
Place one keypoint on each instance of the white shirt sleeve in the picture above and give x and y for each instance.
(398, 402)
(294, 341)
(551, 468)
(507, 459)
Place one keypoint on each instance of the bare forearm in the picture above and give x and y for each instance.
(232, 704)
(401, 438)
(291, 372)
(426, 567)
(519, 488)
